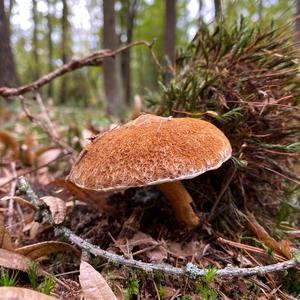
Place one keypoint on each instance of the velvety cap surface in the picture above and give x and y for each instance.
(150, 150)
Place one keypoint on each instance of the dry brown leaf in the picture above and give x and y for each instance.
(34, 229)
(281, 248)
(57, 208)
(86, 135)
(28, 153)
(94, 286)
(8, 140)
(94, 198)
(16, 293)
(15, 261)
(48, 156)
(44, 249)
(193, 248)
(5, 239)
(19, 200)
(155, 252)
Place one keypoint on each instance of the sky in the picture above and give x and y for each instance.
(84, 22)
(80, 15)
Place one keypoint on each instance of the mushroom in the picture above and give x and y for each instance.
(153, 150)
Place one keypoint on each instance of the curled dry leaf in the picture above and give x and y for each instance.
(19, 200)
(144, 243)
(86, 135)
(11, 142)
(45, 248)
(47, 156)
(5, 239)
(15, 261)
(97, 199)
(281, 248)
(94, 286)
(16, 293)
(57, 208)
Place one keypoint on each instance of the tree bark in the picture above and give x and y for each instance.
(36, 73)
(297, 24)
(111, 75)
(126, 56)
(8, 76)
(65, 51)
(50, 46)
(218, 10)
(170, 35)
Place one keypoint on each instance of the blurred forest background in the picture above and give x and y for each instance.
(38, 36)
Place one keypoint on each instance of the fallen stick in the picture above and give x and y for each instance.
(190, 270)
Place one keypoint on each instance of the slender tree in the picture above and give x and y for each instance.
(297, 24)
(50, 44)
(36, 67)
(65, 48)
(170, 34)
(130, 14)
(218, 10)
(111, 75)
(8, 75)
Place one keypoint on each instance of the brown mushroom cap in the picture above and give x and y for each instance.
(150, 150)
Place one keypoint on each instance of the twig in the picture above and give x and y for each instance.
(94, 59)
(11, 194)
(46, 124)
(190, 270)
(34, 169)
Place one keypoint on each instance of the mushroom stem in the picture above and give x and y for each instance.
(180, 200)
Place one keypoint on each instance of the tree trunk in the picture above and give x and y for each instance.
(8, 75)
(126, 55)
(218, 10)
(297, 24)
(170, 35)
(36, 73)
(50, 46)
(112, 84)
(65, 49)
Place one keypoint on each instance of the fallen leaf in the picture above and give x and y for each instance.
(281, 248)
(10, 141)
(34, 229)
(16, 293)
(5, 239)
(155, 252)
(19, 200)
(97, 199)
(27, 147)
(57, 208)
(44, 249)
(15, 261)
(47, 156)
(86, 135)
(94, 286)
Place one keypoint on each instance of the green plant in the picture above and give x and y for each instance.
(205, 292)
(210, 275)
(161, 290)
(47, 285)
(33, 275)
(7, 279)
(132, 288)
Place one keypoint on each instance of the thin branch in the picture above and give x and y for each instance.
(45, 123)
(190, 270)
(33, 169)
(94, 59)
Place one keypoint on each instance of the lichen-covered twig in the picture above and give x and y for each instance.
(190, 270)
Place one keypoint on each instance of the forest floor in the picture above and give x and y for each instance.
(141, 226)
